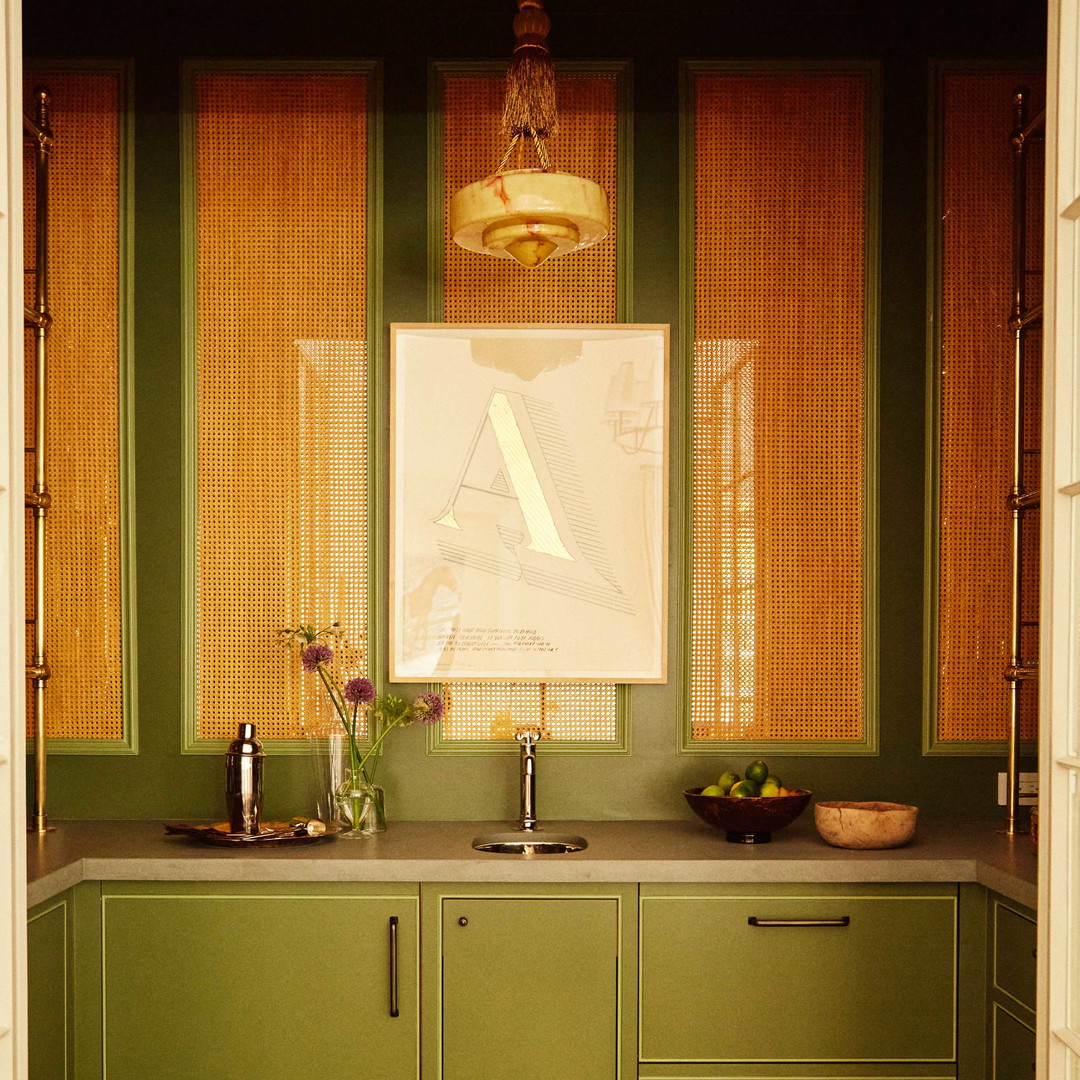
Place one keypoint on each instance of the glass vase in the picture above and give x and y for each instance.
(350, 806)
(362, 807)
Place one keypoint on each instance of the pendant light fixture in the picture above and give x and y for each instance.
(529, 214)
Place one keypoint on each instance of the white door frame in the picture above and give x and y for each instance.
(12, 596)
(1058, 1036)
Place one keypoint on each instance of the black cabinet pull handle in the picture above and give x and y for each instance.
(844, 920)
(393, 966)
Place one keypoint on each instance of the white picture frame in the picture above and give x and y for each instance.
(529, 502)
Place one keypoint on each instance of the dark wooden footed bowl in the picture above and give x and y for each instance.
(747, 821)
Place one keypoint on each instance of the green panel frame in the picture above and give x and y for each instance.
(431, 903)
(128, 743)
(376, 367)
(867, 746)
(932, 745)
(623, 72)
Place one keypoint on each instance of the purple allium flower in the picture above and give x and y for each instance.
(359, 691)
(314, 655)
(428, 708)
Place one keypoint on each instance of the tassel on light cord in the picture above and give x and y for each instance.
(530, 109)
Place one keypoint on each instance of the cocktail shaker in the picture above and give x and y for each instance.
(244, 781)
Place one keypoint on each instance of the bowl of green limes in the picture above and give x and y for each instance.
(748, 808)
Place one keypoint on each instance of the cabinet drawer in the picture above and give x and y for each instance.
(1014, 1047)
(798, 1071)
(1014, 955)
(867, 977)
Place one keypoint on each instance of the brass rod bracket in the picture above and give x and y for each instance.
(38, 672)
(38, 500)
(1019, 319)
(1021, 672)
(42, 320)
(1023, 500)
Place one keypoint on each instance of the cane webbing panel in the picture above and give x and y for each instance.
(578, 288)
(777, 559)
(280, 203)
(83, 595)
(976, 440)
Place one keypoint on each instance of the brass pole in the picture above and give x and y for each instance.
(1019, 499)
(39, 500)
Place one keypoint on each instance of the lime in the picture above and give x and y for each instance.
(757, 771)
(771, 779)
(713, 789)
(727, 780)
(744, 789)
(769, 790)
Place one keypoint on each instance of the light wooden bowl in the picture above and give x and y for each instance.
(865, 825)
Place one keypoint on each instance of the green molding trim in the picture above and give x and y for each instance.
(190, 742)
(933, 746)
(867, 746)
(128, 742)
(623, 72)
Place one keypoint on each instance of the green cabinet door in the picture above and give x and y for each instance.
(204, 983)
(47, 1003)
(1014, 954)
(529, 988)
(1014, 1047)
(837, 976)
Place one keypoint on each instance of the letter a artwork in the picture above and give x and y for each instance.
(518, 508)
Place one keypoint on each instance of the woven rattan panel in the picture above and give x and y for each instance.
(777, 561)
(83, 596)
(976, 447)
(580, 288)
(280, 174)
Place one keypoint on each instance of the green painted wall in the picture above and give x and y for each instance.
(406, 35)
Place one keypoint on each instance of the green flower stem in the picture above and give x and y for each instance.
(375, 745)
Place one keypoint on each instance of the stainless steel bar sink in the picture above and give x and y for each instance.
(536, 842)
(529, 839)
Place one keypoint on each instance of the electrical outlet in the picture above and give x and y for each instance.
(1029, 788)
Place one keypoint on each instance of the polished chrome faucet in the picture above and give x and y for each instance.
(528, 740)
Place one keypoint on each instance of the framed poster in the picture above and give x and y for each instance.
(528, 502)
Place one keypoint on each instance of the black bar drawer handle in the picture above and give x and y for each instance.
(844, 920)
(393, 966)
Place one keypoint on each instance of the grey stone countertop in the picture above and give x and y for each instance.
(618, 851)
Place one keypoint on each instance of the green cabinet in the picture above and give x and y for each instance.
(1011, 931)
(1013, 1044)
(801, 1071)
(1013, 968)
(798, 974)
(279, 983)
(48, 962)
(527, 984)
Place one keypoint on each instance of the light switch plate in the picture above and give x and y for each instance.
(1029, 788)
